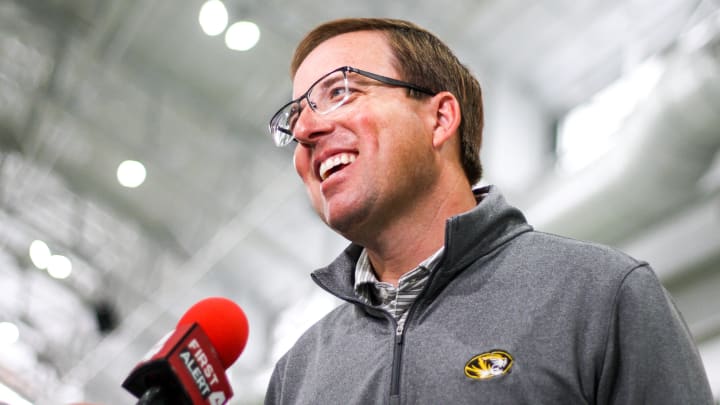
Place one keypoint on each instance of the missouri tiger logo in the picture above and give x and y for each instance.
(489, 365)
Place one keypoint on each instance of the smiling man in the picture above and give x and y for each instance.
(451, 297)
(383, 169)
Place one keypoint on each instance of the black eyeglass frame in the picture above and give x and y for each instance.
(273, 125)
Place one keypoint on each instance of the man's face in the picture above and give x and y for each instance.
(377, 145)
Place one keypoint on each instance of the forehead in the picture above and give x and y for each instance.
(367, 50)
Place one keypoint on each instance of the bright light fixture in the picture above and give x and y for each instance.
(590, 130)
(9, 333)
(9, 396)
(213, 17)
(131, 173)
(242, 36)
(39, 254)
(59, 267)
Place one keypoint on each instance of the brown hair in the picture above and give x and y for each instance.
(422, 59)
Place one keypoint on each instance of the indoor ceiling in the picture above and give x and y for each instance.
(86, 84)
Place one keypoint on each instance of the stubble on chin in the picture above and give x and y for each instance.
(348, 222)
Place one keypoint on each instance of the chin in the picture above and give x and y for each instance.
(349, 224)
(341, 225)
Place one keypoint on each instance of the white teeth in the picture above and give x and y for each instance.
(334, 161)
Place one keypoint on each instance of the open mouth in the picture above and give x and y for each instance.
(334, 164)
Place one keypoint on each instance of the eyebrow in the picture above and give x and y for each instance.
(325, 83)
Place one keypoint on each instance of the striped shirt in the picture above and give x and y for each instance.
(385, 296)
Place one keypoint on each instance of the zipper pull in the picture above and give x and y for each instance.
(399, 335)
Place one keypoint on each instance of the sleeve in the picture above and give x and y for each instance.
(650, 356)
(273, 395)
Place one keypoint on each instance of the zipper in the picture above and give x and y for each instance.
(399, 331)
(400, 334)
(396, 365)
(397, 342)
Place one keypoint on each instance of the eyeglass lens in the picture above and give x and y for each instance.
(324, 96)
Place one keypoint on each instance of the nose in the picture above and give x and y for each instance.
(310, 125)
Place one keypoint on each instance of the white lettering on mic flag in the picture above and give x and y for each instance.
(217, 398)
(196, 373)
(202, 359)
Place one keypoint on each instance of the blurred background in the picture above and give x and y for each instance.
(136, 175)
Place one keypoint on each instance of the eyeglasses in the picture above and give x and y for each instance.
(326, 95)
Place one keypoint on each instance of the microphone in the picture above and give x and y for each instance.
(187, 366)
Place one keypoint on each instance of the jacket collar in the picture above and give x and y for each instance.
(468, 237)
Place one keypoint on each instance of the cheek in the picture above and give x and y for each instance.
(388, 132)
(369, 127)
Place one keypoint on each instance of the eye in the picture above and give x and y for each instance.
(293, 110)
(338, 93)
(292, 115)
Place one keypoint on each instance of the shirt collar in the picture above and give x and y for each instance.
(365, 275)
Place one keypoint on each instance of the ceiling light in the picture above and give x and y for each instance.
(131, 173)
(9, 333)
(590, 130)
(9, 396)
(213, 17)
(39, 254)
(59, 267)
(242, 35)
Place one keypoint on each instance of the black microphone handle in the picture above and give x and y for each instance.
(153, 396)
(156, 396)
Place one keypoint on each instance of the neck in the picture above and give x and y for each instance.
(408, 240)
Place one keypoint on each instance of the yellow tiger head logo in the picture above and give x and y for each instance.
(489, 365)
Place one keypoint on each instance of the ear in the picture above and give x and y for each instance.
(447, 117)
